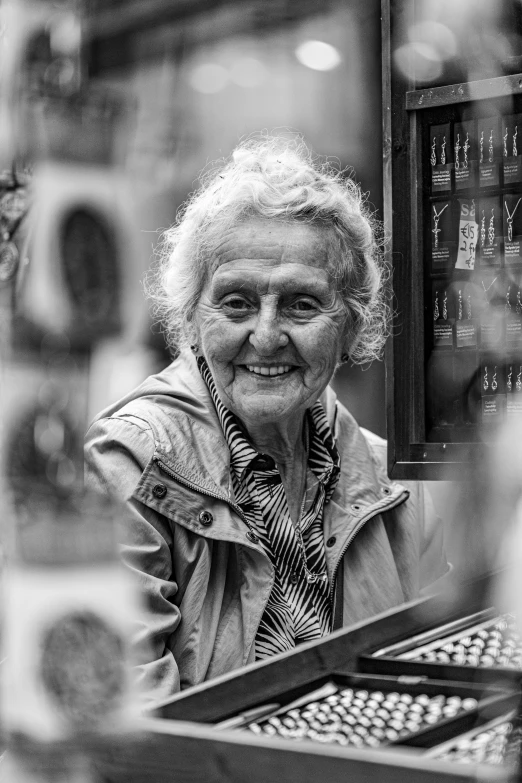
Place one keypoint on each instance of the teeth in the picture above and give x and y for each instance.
(280, 370)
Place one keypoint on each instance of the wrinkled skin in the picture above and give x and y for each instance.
(269, 301)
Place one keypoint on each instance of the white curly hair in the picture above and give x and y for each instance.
(276, 178)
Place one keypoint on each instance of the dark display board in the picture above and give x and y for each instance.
(453, 199)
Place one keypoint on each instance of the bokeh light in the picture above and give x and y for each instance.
(419, 61)
(436, 35)
(318, 55)
(208, 78)
(248, 72)
(65, 33)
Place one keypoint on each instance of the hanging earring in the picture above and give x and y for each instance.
(194, 348)
(433, 157)
(436, 314)
(509, 382)
(518, 384)
(485, 384)
(457, 152)
(491, 228)
(494, 383)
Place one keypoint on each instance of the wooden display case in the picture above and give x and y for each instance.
(453, 180)
(183, 746)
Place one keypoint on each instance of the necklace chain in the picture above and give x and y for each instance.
(438, 214)
(510, 217)
(489, 286)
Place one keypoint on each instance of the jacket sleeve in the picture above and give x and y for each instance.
(117, 450)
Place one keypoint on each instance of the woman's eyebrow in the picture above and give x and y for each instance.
(235, 281)
(316, 290)
(225, 285)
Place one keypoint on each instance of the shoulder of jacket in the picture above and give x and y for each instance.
(375, 442)
(378, 452)
(123, 427)
(377, 446)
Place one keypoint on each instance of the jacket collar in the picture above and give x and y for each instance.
(186, 415)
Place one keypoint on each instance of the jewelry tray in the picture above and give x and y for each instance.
(491, 703)
(406, 656)
(497, 742)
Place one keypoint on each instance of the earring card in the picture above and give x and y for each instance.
(512, 149)
(441, 158)
(465, 153)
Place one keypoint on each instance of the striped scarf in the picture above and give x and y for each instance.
(297, 611)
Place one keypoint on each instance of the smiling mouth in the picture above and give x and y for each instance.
(272, 370)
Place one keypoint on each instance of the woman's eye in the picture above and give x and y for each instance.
(237, 304)
(303, 305)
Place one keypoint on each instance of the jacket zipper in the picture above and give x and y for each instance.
(362, 523)
(211, 494)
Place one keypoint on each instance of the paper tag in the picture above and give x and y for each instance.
(466, 334)
(468, 233)
(466, 177)
(490, 331)
(441, 178)
(493, 406)
(512, 170)
(488, 174)
(443, 334)
(512, 251)
(514, 405)
(513, 331)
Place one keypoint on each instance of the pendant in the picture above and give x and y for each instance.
(312, 578)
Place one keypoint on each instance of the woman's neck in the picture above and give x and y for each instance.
(288, 448)
(284, 443)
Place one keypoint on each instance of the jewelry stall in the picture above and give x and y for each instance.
(428, 692)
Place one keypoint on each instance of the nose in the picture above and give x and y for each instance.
(268, 334)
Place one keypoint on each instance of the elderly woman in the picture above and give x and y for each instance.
(262, 514)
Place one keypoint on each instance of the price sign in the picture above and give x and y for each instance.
(468, 234)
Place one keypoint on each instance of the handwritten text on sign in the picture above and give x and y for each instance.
(468, 233)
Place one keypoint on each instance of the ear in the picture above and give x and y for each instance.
(347, 342)
(191, 330)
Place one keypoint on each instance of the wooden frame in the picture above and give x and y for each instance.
(176, 752)
(407, 112)
(180, 745)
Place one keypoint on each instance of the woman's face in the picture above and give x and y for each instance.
(270, 322)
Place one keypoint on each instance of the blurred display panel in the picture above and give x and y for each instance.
(456, 97)
(70, 269)
(472, 269)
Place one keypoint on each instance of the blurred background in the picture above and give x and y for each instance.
(206, 75)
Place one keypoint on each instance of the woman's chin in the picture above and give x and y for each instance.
(264, 412)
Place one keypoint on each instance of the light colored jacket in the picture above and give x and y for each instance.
(205, 580)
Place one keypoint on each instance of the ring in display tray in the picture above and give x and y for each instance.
(483, 647)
